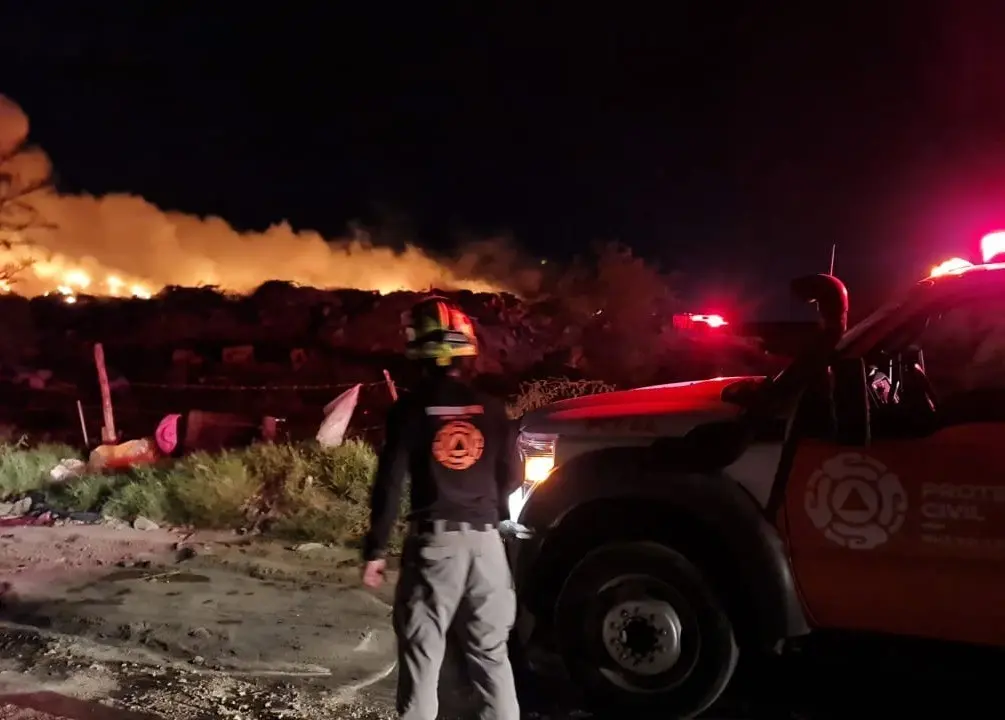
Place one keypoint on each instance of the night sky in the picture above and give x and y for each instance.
(733, 145)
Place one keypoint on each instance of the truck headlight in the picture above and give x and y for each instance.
(537, 451)
(538, 467)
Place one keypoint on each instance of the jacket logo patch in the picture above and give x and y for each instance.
(458, 445)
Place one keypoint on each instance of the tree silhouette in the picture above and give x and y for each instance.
(25, 173)
(616, 304)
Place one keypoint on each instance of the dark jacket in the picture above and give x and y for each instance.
(459, 450)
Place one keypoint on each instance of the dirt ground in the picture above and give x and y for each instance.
(188, 626)
(113, 623)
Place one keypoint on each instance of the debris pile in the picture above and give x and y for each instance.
(33, 509)
(282, 354)
(306, 332)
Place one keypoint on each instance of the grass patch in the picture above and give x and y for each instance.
(209, 491)
(89, 492)
(298, 491)
(24, 468)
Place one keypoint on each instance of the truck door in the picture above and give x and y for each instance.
(907, 534)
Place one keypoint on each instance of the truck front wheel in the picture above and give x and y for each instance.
(639, 627)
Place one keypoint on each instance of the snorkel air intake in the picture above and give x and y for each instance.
(831, 298)
(719, 444)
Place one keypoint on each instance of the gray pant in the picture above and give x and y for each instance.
(446, 575)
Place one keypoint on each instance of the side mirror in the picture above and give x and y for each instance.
(741, 392)
(912, 356)
(850, 398)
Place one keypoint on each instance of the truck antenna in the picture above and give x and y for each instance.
(834, 248)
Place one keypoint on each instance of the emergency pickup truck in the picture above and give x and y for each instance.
(665, 531)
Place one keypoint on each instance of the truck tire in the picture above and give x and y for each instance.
(639, 628)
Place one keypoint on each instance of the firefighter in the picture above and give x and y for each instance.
(457, 447)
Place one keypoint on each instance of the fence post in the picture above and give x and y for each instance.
(390, 386)
(108, 434)
(83, 424)
(270, 428)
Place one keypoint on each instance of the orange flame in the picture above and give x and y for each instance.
(124, 246)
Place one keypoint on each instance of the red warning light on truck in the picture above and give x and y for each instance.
(992, 245)
(949, 266)
(688, 321)
(992, 248)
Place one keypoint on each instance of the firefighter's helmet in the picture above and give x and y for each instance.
(438, 330)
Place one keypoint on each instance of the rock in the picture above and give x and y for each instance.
(20, 507)
(5, 508)
(309, 547)
(142, 523)
(114, 522)
(201, 633)
(185, 552)
(68, 468)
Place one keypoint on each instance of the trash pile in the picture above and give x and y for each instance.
(272, 353)
(32, 509)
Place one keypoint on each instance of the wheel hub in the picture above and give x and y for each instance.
(643, 636)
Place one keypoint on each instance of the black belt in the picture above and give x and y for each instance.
(431, 527)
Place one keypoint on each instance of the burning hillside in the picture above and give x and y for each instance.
(122, 245)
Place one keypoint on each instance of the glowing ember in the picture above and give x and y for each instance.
(48, 273)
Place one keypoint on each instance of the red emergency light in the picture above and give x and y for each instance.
(992, 245)
(685, 321)
(950, 266)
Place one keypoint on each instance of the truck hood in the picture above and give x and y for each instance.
(661, 410)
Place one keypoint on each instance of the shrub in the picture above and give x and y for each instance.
(210, 490)
(539, 393)
(87, 493)
(143, 492)
(618, 304)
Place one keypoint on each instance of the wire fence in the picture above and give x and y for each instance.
(65, 389)
(66, 411)
(255, 388)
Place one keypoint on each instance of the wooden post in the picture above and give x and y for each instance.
(270, 428)
(390, 386)
(108, 434)
(83, 425)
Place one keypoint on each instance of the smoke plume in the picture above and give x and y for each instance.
(121, 244)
